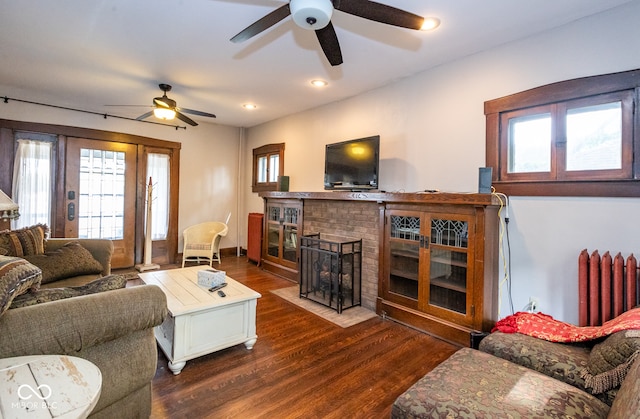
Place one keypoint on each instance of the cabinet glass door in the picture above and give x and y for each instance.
(282, 233)
(290, 234)
(404, 255)
(273, 231)
(448, 264)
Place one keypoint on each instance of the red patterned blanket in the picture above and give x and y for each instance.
(543, 326)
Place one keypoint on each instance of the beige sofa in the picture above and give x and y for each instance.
(101, 250)
(113, 329)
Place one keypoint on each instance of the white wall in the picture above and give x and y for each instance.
(432, 130)
(208, 157)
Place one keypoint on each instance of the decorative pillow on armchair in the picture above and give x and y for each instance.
(610, 360)
(70, 260)
(17, 276)
(25, 241)
(107, 283)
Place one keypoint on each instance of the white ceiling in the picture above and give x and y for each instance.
(90, 53)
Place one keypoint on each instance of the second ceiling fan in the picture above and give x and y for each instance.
(166, 108)
(316, 15)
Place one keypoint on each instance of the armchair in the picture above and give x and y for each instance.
(202, 241)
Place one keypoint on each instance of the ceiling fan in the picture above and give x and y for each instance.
(167, 109)
(316, 15)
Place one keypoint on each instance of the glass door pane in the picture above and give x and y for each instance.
(290, 243)
(448, 264)
(290, 234)
(158, 171)
(273, 238)
(448, 280)
(404, 263)
(101, 194)
(273, 231)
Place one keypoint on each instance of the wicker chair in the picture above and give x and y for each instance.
(202, 242)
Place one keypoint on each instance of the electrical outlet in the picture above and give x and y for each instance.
(533, 304)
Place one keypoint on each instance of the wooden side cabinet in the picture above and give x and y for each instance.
(283, 221)
(440, 268)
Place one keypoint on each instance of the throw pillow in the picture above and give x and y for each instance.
(107, 283)
(25, 241)
(70, 260)
(16, 277)
(610, 360)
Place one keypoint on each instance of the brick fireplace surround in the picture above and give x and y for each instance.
(353, 215)
(354, 220)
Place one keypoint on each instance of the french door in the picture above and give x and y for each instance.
(100, 194)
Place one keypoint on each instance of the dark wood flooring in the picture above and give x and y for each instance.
(302, 366)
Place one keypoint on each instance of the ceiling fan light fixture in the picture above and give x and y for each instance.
(311, 14)
(164, 113)
(430, 23)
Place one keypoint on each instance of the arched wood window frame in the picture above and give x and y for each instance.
(624, 183)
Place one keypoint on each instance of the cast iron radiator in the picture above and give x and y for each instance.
(607, 286)
(254, 239)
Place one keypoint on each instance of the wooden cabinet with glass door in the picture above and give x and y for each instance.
(440, 268)
(283, 221)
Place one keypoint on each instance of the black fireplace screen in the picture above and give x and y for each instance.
(330, 271)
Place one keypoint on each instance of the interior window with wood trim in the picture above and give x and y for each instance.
(268, 166)
(573, 138)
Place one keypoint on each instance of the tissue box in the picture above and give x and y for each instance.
(211, 277)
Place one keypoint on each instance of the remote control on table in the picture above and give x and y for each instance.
(221, 293)
(217, 287)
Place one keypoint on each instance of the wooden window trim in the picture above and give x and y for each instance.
(563, 92)
(266, 151)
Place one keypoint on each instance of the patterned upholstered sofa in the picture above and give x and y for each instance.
(513, 375)
(78, 315)
(564, 362)
(65, 262)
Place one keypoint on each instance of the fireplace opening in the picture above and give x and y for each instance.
(330, 270)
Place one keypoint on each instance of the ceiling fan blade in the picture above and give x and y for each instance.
(329, 43)
(131, 106)
(193, 112)
(265, 23)
(186, 119)
(144, 116)
(380, 13)
(164, 102)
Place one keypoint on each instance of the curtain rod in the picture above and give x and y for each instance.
(104, 115)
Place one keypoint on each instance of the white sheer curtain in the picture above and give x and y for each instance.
(158, 170)
(31, 188)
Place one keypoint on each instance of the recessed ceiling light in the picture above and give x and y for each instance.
(249, 106)
(319, 83)
(430, 23)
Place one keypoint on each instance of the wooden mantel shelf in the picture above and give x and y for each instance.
(391, 197)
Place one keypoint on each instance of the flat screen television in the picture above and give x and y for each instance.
(353, 164)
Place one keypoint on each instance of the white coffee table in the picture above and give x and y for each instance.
(48, 386)
(201, 322)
